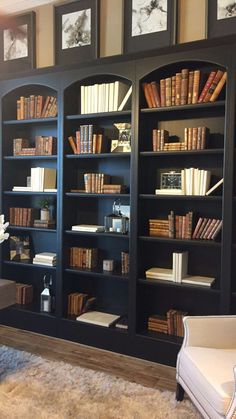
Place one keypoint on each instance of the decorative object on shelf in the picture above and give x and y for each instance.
(108, 265)
(17, 47)
(46, 298)
(76, 31)
(19, 248)
(221, 18)
(148, 24)
(3, 227)
(123, 144)
(44, 209)
(170, 180)
(116, 222)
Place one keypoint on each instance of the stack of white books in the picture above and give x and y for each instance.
(98, 318)
(195, 181)
(178, 273)
(45, 258)
(92, 228)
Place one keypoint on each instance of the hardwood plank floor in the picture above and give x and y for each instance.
(133, 369)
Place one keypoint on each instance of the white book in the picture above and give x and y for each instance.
(88, 227)
(183, 265)
(168, 192)
(39, 259)
(22, 188)
(160, 273)
(98, 317)
(111, 97)
(174, 266)
(37, 262)
(198, 280)
(125, 100)
(106, 107)
(50, 190)
(82, 99)
(46, 255)
(215, 186)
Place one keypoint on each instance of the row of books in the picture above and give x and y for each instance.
(83, 257)
(36, 106)
(23, 217)
(94, 182)
(179, 272)
(44, 146)
(184, 88)
(176, 226)
(105, 97)
(94, 144)
(45, 258)
(43, 179)
(78, 303)
(171, 323)
(181, 227)
(24, 294)
(194, 139)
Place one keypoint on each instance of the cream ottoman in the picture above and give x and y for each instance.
(7, 293)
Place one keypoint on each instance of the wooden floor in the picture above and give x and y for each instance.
(133, 369)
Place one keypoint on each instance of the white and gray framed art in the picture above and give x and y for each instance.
(221, 18)
(76, 28)
(18, 43)
(149, 24)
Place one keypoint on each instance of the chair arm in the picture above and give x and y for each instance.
(210, 331)
(231, 414)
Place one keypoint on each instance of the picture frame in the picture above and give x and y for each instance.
(18, 43)
(149, 24)
(221, 18)
(76, 31)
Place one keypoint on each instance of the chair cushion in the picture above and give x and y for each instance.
(7, 293)
(211, 373)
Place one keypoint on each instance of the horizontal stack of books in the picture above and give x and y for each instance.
(92, 228)
(113, 188)
(44, 223)
(44, 146)
(45, 258)
(179, 272)
(98, 318)
(185, 87)
(83, 257)
(24, 294)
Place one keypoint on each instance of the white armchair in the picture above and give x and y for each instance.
(206, 365)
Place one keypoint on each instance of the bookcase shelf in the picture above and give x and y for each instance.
(138, 173)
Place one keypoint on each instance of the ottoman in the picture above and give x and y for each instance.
(7, 293)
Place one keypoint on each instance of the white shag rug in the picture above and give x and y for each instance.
(32, 387)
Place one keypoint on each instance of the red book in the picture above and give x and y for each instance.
(207, 86)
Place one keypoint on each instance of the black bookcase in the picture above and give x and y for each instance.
(130, 294)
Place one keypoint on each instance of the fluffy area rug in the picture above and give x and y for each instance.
(32, 387)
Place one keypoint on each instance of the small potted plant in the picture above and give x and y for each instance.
(44, 209)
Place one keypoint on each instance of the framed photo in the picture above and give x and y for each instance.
(76, 31)
(149, 24)
(221, 18)
(17, 43)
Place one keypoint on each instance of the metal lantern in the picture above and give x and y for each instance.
(116, 222)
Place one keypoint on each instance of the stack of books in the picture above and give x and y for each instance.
(79, 303)
(112, 188)
(171, 323)
(45, 258)
(179, 272)
(23, 217)
(44, 223)
(207, 228)
(83, 257)
(94, 182)
(92, 228)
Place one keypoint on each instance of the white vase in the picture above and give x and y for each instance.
(44, 214)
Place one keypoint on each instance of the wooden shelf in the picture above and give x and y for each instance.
(97, 234)
(29, 121)
(189, 242)
(98, 156)
(159, 282)
(98, 273)
(99, 115)
(54, 157)
(181, 108)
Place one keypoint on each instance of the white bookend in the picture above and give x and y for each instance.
(125, 100)
(215, 186)
(98, 317)
(120, 90)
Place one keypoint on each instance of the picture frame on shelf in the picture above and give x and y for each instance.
(221, 18)
(18, 43)
(76, 31)
(149, 24)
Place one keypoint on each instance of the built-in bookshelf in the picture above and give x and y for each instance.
(168, 165)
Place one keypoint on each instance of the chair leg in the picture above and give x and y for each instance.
(179, 395)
